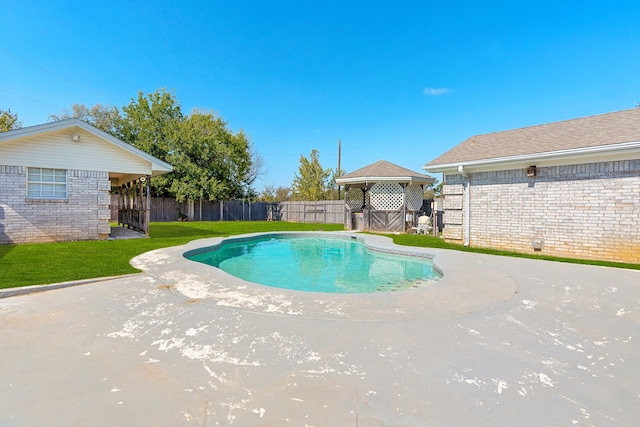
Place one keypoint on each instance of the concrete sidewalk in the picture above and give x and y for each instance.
(499, 341)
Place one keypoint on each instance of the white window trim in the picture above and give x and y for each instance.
(56, 186)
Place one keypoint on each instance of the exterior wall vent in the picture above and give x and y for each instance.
(537, 244)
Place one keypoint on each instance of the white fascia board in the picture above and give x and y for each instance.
(33, 130)
(575, 155)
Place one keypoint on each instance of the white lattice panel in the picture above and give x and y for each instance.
(414, 197)
(354, 198)
(386, 196)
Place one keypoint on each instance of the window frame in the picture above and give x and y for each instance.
(46, 183)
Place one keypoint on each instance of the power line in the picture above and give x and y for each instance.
(29, 98)
(354, 159)
(56, 75)
(293, 141)
(368, 153)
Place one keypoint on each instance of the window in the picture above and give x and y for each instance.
(46, 183)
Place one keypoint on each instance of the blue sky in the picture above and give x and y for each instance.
(400, 81)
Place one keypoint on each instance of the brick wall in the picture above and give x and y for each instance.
(581, 211)
(84, 215)
(453, 204)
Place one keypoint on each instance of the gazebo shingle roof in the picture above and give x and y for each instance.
(383, 170)
(593, 131)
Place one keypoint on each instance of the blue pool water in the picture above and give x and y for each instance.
(317, 264)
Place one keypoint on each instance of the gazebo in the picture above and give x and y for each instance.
(382, 197)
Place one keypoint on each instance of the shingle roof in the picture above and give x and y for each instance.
(383, 170)
(593, 131)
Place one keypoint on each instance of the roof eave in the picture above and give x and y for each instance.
(372, 179)
(576, 153)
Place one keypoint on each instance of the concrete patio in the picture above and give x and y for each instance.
(498, 341)
(119, 233)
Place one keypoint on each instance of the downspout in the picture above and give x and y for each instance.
(467, 207)
(404, 208)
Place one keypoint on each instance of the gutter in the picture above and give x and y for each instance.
(611, 148)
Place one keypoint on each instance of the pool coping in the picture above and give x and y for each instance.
(459, 292)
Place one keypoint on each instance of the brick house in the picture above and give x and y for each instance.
(569, 188)
(55, 181)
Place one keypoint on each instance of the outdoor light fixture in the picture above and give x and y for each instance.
(75, 138)
(531, 171)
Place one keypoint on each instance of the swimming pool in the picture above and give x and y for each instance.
(317, 263)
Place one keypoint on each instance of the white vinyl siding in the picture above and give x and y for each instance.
(43, 183)
(57, 150)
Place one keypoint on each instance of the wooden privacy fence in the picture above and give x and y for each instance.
(164, 210)
(324, 211)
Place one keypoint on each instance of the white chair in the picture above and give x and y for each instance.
(424, 225)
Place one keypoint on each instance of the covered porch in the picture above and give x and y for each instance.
(134, 204)
(132, 190)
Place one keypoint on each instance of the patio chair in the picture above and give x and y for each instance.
(424, 225)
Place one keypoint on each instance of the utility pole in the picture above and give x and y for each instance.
(339, 147)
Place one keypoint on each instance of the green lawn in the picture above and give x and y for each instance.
(42, 263)
(436, 242)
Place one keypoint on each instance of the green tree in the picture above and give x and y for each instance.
(210, 162)
(236, 167)
(256, 169)
(332, 190)
(433, 191)
(273, 194)
(283, 194)
(311, 181)
(103, 117)
(9, 121)
(268, 193)
(151, 123)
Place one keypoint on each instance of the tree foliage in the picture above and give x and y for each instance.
(210, 162)
(283, 194)
(312, 181)
(9, 121)
(332, 190)
(433, 191)
(273, 194)
(151, 122)
(103, 117)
